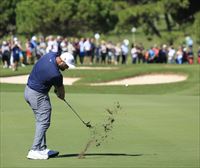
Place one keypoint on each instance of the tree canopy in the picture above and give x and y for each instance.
(74, 17)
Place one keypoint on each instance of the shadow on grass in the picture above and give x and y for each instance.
(98, 154)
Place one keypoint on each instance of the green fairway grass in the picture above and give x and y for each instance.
(161, 131)
(158, 126)
(189, 87)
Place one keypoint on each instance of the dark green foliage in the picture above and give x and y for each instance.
(7, 16)
(80, 17)
(65, 17)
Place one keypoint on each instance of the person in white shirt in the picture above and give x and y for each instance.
(134, 53)
(125, 51)
(52, 45)
(171, 54)
(87, 47)
(117, 53)
(81, 50)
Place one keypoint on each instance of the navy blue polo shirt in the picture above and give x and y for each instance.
(45, 74)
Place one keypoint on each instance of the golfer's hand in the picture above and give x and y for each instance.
(60, 92)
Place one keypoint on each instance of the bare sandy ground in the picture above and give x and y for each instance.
(96, 68)
(138, 80)
(146, 80)
(23, 80)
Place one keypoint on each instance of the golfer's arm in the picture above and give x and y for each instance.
(60, 92)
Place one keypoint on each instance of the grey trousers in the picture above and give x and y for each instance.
(41, 106)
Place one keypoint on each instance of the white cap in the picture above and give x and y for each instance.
(4, 43)
(126, 42)
(68, 59)
(34, 38)
(15, 39)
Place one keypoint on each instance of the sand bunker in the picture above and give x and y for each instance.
(96, 68)
(22, 79)
(146, 80)
(138, 80)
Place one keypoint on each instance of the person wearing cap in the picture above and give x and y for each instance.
(45, 74)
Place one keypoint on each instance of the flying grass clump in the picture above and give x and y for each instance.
(100, 132)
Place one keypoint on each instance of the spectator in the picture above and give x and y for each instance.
(171, 54)
(189, 41)
(16, 51)
(5, 50)
(33, 45)
(59, 40)
(117, 53)
(190, 56)
(41, 48)
(156, 50)
(162, 55)
(63, 45)
(140, 51)
(146, 56)
(29, 57)
(104, 50)
(87, 47)
(185, 55)
(81, 50)
(134, 53)
(93, 48)
(198, 53)
(125, 51)
(75, 43)
(70, 47)
(52, 45)
(151, 55)
(97, 53)
(110, 52)
(179, 56)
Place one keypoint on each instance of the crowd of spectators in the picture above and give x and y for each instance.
(91, 50)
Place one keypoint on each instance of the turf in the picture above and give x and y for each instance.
(158, 126)
(189, 87)
(152, 131)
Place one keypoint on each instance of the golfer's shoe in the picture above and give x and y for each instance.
(34, 154)
(50, 153)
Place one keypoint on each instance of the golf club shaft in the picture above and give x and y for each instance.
(74, 111)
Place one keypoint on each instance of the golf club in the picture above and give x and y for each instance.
(86, 124)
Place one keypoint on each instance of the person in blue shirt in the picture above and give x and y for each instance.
(45, 74)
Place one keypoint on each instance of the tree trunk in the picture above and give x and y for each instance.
(167, 21)
(153, 28)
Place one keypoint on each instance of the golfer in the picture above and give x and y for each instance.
(44, 75)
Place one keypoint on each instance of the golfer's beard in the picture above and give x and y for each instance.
(61, 67)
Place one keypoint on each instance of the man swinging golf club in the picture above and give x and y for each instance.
(44, 75)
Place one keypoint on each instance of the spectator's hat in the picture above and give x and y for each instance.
(126, 42)
(68, 59)
(164, 46)
(4, 43)
(34, 38)
(16, 43)
(15, 39)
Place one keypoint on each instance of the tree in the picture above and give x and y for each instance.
(65, 17)
(197, 27)
(7, 16)
(146, 14)
(140, 15)
(35, 16)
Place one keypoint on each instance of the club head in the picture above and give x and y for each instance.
(88, 125)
